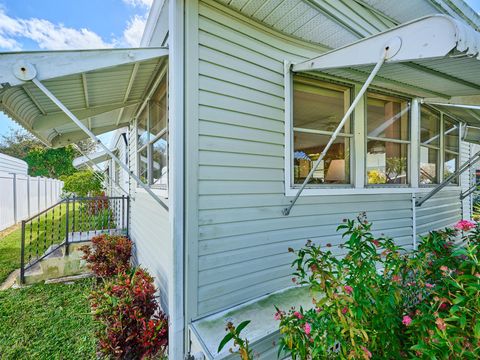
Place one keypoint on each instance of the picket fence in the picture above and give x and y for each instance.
(22, 196)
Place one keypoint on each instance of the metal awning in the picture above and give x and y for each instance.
(435, 58)
(103, 88)
(92, 159)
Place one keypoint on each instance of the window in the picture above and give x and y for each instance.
(451, 136)
(318, 108)
(152, 138)
(388, 140)
(429, 146)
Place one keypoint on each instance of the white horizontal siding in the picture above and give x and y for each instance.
(442, 210)
(242, 236)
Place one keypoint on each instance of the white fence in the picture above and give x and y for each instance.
(22, 196)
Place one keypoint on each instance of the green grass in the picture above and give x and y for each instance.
(9, 254)
(47, 322)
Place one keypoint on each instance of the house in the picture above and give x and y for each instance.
(234, 152)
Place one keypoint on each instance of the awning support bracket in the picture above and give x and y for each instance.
(465, 166)
(97, 140)
(470, 191)
(352, 107)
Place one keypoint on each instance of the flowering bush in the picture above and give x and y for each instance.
(379, 302)
(356, 309)
(131, 323)
(108, 255)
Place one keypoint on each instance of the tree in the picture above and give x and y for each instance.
(51, 163)
(83, 183)
(18, 143)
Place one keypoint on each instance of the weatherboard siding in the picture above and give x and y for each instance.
(242, 236)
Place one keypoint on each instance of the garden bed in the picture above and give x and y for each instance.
(47, 322)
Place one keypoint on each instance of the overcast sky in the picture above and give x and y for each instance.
(75, 24)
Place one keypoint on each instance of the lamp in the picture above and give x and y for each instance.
(336, 171)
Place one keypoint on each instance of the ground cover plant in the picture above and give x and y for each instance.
(380, 302)
(47, 322)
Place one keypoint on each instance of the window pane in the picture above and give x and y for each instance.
(450, 166)
(429, 160)
(320, 106)
(334, 168)
(142, 128)
(451, 135)
(430, 127)
(387, 117)
(160, 162)
(158, 108)
(143, 165)
(386, 162)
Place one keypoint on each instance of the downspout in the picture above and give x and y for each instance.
(176, 346)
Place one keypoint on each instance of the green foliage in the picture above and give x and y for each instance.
(18, 143)
(82, 183)
(380, 303)
(52, 163)
(243, 345)
(47, 322)
(356, 306)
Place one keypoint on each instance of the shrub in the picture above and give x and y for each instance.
(131, 325)
(356, 307)
(82, 183)
(108, 255)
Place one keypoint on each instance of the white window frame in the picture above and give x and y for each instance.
(161, 191)
(358, 168)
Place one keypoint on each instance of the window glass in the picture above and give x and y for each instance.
(450, 165)
(152, 131)
(142, 130)
(388, 127)
(387, 162)
(160, 162)
(335, 166)
(158, 109)
(143, 165)
(451, 135)
(318, 108)
(430, 146)
(388, 117)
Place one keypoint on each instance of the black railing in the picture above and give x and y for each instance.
(71, 220)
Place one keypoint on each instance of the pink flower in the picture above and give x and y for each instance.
(444, 268)
(443, 306)
(440, 324)
(465, 225)
(298, 315)
(319, 309)
(348, 289)
(376, 243)
(278, 315)
(344, 310)
(307, 328)
(367, 353)
(429, 286)
(396, 278)
(407, 320)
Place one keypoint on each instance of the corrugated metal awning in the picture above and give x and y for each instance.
(432, 57)
(103, 88)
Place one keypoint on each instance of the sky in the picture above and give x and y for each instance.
(69, 24)
(75, 24)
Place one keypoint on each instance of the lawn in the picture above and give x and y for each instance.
(9, 253)
(47, 322)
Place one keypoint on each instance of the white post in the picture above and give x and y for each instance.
(415, 147)
(28, 196)
(359, 96)
(14, 197)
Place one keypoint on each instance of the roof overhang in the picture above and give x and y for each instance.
(431, 57)
(103, 88)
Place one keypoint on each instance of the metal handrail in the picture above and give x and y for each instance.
(465, 166)
(59, 226)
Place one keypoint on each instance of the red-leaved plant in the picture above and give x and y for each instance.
(108, 255)
(131, 324)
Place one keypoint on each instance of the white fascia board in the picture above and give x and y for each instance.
(425, 38)
(53, 64)
(466, 101)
